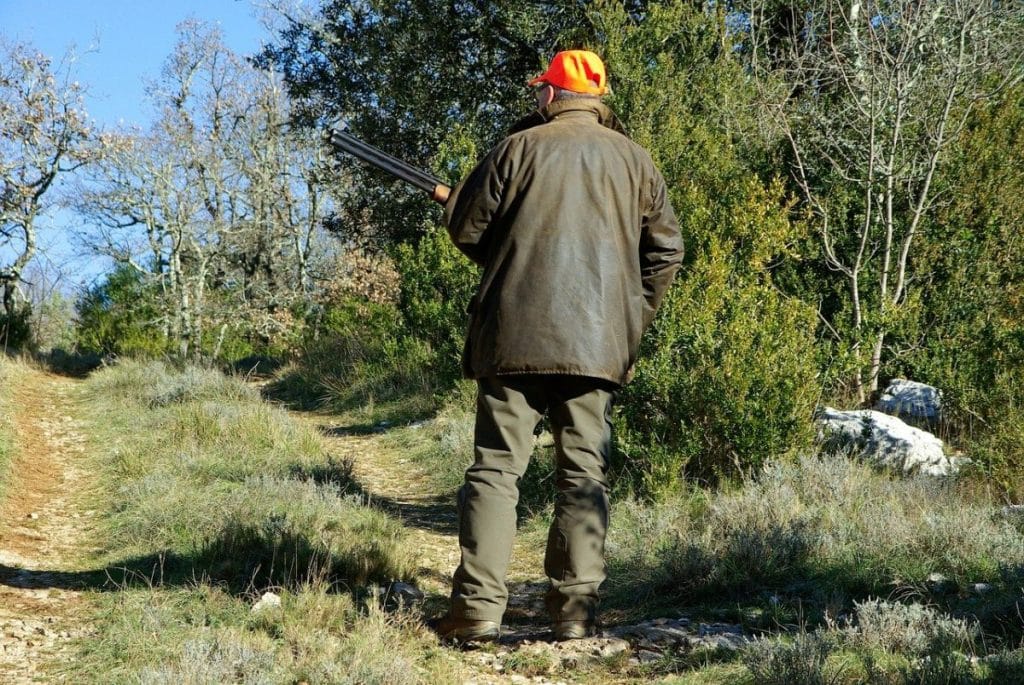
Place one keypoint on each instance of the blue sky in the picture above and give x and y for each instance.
(120, 46)
(122, 43)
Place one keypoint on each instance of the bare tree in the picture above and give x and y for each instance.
(870, 95)
(220, 205)
(44, 132)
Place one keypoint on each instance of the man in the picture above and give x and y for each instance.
(572, 225)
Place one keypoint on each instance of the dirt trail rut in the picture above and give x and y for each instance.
(44, 531)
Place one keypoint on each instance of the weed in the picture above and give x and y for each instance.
(827, 527)
(910, 629)
(797, 661)
(214, 497)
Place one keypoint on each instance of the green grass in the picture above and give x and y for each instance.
(214, 496)
(804, 539)
(10, 375)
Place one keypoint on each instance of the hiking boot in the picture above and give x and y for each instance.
(573, 630)
(455, 630)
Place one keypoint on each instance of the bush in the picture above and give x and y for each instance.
(797, 661)
(437, 282)
(15, 329)
(810, 529)
(118, 316)
(360, 357)
(909, 629)
(726, 383)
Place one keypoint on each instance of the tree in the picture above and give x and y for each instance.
(405, 75)
(220, 204)
(869, 96)
(44, 133)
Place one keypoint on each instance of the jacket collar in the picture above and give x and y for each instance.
(604, 115)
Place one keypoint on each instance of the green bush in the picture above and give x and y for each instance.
(15, 329)
(437, 282)
(728, 376)
(118, 316)
(359, 357)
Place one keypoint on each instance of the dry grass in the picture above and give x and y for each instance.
(10, 372)
(814, 527)
(215, 496)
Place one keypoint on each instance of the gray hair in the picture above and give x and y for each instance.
(563, 94)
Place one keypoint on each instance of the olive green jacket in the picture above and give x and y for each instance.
(571, 223)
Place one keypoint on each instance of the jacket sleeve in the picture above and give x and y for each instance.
(472, 205)
(661, 248)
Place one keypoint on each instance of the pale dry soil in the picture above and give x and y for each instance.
(46, 533)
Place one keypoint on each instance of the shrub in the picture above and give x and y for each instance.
(797, 661)
(812, 529)
(359, 357)
(909, 629)
(726, 382)
(727, 375)
(15, 329)
(118, 316)
(437, 282)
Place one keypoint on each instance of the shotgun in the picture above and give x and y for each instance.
(394, 166)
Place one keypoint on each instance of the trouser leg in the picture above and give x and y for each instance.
(508, 410)
(580, 414)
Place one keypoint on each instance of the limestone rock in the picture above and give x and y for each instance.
(911, 401)
(885, 441)
(267, 602)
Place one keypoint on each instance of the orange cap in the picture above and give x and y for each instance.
(576, 70)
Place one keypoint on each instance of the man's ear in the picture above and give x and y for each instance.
(546, 96)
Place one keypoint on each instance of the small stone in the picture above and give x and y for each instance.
(981, 588)
(33, 516)
(646, 656)
(268, 601)
(939, 584)
(517, 678)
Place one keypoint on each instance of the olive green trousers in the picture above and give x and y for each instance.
(508, 410)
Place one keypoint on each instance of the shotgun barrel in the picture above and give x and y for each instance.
(392, 165)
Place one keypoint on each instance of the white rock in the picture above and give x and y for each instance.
(268, 601)
(885, 441)
(911, 401)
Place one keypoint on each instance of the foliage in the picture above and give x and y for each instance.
(119, 315)
(800, 661)
(810, 530)
(868, 102)
(909, 629)
(360, 358)
(401, 75)
(437, 282)
(726, 378)
(15, 328)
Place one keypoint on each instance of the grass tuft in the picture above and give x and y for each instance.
(215, 497)
(811, 530)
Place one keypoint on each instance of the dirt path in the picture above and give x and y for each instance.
(44, 529)
(405, 490)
